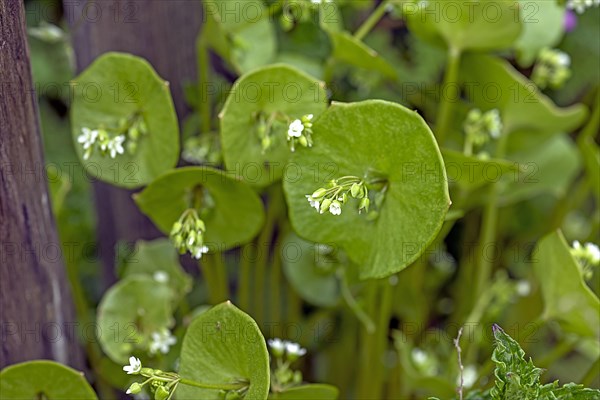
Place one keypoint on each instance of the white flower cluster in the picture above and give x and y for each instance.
(162, 384)
(337, 194)
(187, 234)
(480, 127)
(588, 257)
(111, 144)
(292, 350)
(99, 138)
(581, 5)
(551, 68)
(300, 131)
(162, 341)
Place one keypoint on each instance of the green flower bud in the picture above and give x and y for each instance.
(135, 388)
(297, 377)
(266, 142)
(355, 190)
(303, 141)
(131, 147)
(286, 23)
(161, 393)
(364, 205)
(200, 226)
(319, 193)
(134, 133)
(325, 205)
(176, 228)
(147, 372)
(142, 126)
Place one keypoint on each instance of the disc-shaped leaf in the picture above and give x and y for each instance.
(316, 391)
(240, 32)
(43, 379)
(224, 346)
(478, 25)
(471, 172)
(350, 50)
(277, 91)
(130, 312)
(390, 141)
(567, 298)
(159, 260)
(310, 271)
(234, 218)
(521, 104)
(120, 87)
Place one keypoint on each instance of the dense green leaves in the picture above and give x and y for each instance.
(44, 379)
(121, 88)
(567, 298)
(224, 345)
(464, 25)
(307, 392)
(279, 93)
(373, 138)
(231, 210)
(130, 312)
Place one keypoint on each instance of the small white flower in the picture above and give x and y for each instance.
(294, 349)
(576, 245)
(277, 345)
(87, 138)
(523, 288)
(593, 253)
(469, 376)
(335, 208)
(419, 356)
(134, 367)
(161, 277)
(313, 203)
(162, 341)
(115, 146)
(296, 128)
(199, 252)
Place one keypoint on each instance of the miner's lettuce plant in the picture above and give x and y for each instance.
(352, 194)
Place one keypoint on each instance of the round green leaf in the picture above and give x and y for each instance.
(235, 218)
(317, 391)
(274, 89)
(395, 142)
(130, 312)
(492, 82)
(465, 25)
(42, 379)
(222, 346)
(310, 272)
(567, 298)
(159, 260)
(118, 86)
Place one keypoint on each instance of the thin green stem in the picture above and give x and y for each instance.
(373, 19)
(449, 94)
(367, 347)
(381, 339)
(205, 100)
(360, 314)
(248, 255)
(214, 386)
(217, 288)
(488, 227)
(592, 373)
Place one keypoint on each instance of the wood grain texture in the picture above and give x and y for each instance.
(164, 33)
(36, 310)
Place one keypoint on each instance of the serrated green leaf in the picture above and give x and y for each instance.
(224, 345)
(118, 86)
(130, 312)
(358, 139)
(567, 298)
(44, 379)
(316, 391)
(274, 89)
(235, 218)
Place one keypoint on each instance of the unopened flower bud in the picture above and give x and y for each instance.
(319, 193)
(303, 141)
(135, 388)
(355, 190)
(325, 205)
(161, 393)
